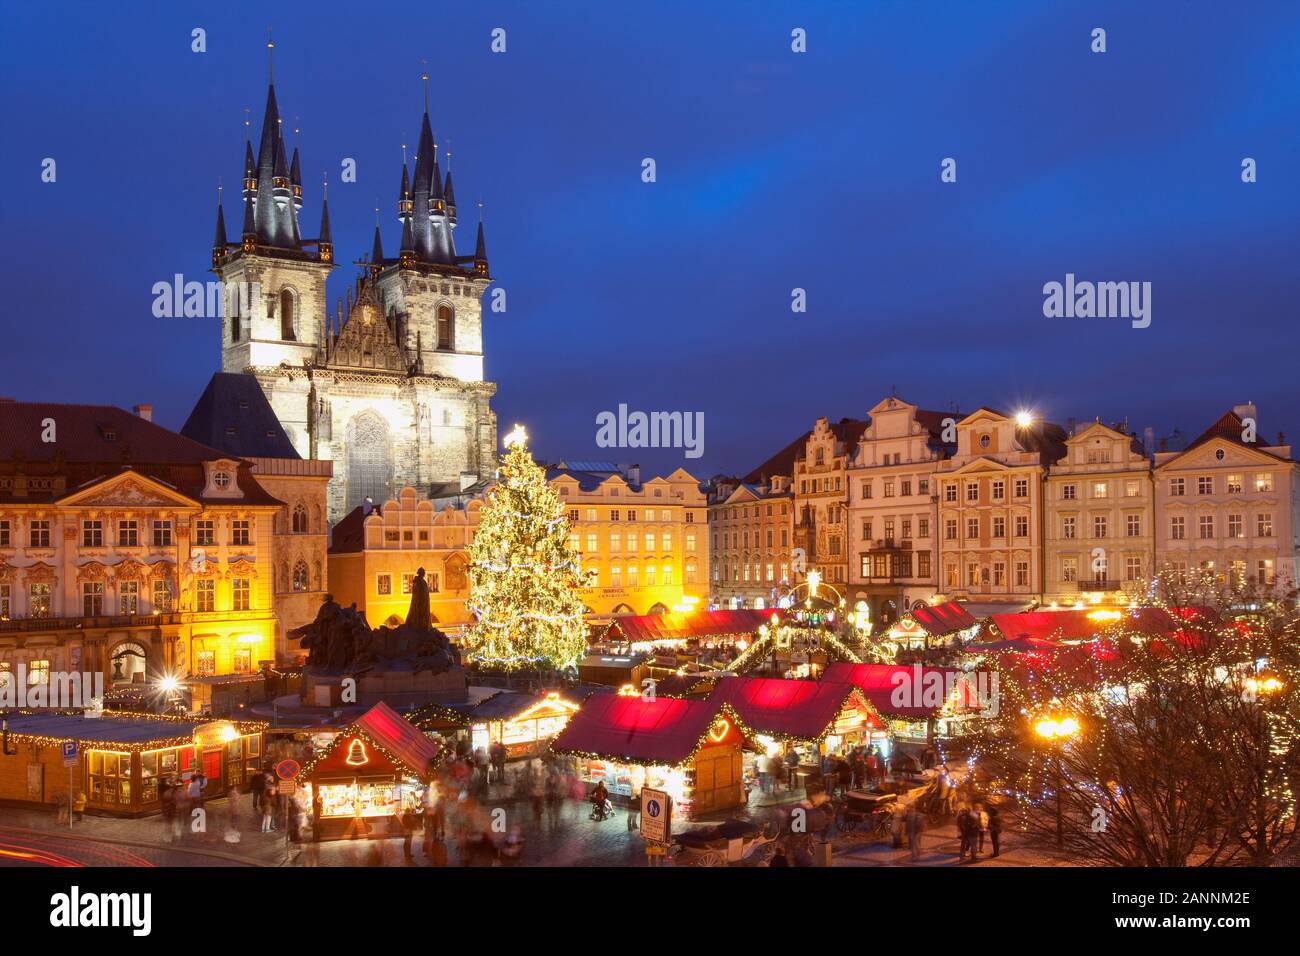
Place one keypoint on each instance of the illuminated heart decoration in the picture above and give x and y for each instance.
(719, 730)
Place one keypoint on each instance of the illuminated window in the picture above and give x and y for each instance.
(384, 584)
(38, 600)
(300, 582)
(162, 596)
(128, 597)
(1069, 568)
(205, 595)
(1263, 481)
(1234, 484)
(240, 595)
(1264, 525)
(243, 660)
(92, 598)
(38, 672)
(205, 663)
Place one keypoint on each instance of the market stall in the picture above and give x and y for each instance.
(809, 717)
(910, 698)
(122, 758)
(690, 748)
(525, 723)
(374, 767)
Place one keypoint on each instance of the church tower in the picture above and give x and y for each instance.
(274, 278)
(390, 387)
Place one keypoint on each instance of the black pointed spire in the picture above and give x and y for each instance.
(219, 240)
(325, 243)
(448, 194)
(480, 248)
(377, 252)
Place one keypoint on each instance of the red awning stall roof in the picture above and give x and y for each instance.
(896, 690)
(700, 625)
(1179, 623)
(396, 739)
(662, 732)
(941, 619)
(792, 709)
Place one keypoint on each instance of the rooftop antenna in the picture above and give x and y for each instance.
(424, 75)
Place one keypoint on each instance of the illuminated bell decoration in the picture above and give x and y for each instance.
(357, 755)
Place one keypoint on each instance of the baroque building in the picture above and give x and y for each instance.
(233, 416)
(750, 533)
(1100, 514)
(389, 386)
(128, 550)
(1228, 504)
(893, 509)
(821, 496)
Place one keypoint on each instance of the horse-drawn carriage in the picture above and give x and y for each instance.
(736, 842)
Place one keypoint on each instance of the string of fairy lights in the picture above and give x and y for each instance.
(524, 577)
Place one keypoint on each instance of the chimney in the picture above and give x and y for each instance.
(1246, 411)
(1148, 439)
(144, 411)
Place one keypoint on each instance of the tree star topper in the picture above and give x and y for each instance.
(516, 437)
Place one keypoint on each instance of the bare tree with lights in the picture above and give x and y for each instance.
(1157, 746)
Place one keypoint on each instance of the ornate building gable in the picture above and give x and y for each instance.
(368, 339)
(130, 489)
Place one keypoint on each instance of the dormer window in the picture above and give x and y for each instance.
(110, 434)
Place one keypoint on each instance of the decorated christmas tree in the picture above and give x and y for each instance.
(523, 577)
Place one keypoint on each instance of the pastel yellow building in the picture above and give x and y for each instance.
(643, 545)
(376, 553)
(158, 565)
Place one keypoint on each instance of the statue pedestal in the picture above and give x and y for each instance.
(396, 687)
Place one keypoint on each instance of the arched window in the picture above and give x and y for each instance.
(444, 327)
(369, 458)
(286, 315)
(300, 582)
(300, 520)
(234, 318)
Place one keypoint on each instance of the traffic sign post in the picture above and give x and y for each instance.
(656, 824)
(286, 788)
(70, 761)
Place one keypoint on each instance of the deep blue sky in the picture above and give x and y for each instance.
(775, 170)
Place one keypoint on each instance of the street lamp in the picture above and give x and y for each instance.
(1056, 730)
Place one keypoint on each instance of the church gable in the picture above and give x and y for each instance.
(367, 340)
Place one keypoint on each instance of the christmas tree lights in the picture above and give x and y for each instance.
(523, 577)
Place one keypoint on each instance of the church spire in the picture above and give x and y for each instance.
(219, 240)
(480, 247)
(325, 243)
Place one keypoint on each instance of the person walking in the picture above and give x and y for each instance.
(553, 798)
(256, 787)
(268, 813)
(406, 821)
(964, 832)
(791, 766)
(914, 826)
(981, 818)
(995, 829)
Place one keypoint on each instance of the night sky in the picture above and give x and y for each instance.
(775, 170)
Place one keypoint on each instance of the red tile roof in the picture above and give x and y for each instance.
(665, 731)
(900, 691)
(796, 709)
(95, 442)
(692, 624)
(943, 618)
(387, 728)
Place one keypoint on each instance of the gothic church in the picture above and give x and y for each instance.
(389, 386)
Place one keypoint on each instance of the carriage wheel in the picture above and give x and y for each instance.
(711, 858)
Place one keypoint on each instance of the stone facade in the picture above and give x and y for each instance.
(893, 509)
(821, 496)
(750, 529)
(991, 508)
(1099, 527)
(1229, 505)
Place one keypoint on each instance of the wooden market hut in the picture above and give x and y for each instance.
(525, 723)
(122, 758)
(691, 748)
(372, 768)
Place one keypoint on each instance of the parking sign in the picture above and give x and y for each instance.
(69, 753)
